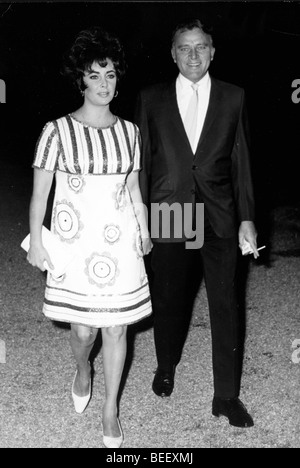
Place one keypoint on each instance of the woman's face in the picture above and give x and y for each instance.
(100, 84)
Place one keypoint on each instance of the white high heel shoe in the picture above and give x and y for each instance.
(113, 442)
(80, 403)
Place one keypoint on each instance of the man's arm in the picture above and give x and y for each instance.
(242, 181)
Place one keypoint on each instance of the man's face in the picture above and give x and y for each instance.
(192, 51)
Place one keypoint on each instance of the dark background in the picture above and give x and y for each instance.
(257, 47)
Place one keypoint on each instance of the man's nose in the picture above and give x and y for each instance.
(194, 53)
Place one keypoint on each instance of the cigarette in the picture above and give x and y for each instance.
(263, 247)
(251, 251)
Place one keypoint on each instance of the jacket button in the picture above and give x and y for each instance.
(193, 192)
(194, 167)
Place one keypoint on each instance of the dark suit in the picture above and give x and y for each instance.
(218, 175)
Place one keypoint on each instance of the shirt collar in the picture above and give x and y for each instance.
(184, 83)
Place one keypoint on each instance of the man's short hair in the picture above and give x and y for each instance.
(188, 25)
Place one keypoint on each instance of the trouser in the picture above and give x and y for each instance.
(175, 270)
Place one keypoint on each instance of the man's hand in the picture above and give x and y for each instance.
(247, 232)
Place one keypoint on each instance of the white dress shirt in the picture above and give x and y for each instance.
(184, 92)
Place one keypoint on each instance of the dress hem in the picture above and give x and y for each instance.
(131, 322)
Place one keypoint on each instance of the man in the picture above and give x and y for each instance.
(209, 166)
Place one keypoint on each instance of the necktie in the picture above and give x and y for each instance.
(190, 121)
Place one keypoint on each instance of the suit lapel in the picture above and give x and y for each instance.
(174, 118)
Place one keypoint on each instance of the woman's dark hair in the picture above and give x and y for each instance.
(92, 45)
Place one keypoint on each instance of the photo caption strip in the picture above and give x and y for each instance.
(149, 456)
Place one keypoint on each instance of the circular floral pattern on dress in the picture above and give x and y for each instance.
(102, 270)
(66, 221)
(76, 183)
(112, 233)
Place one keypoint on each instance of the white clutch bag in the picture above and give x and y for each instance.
(60, 254)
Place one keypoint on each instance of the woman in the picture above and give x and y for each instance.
(95, 157)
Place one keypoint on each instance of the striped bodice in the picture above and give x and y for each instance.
(70, 146)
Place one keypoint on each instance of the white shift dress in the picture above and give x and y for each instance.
(93, 216)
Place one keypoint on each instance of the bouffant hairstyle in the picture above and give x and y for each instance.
(92, 45)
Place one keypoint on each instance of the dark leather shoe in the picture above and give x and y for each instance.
(163, 383)
(234, 410)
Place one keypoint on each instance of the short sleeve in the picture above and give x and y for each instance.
(47, 149)
(137, 150)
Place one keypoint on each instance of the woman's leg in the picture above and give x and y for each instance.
(114, 354)
(82, 342)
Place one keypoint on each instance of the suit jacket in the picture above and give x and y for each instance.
(219, 170)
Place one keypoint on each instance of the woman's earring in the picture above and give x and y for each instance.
(116, 94)
(82, 93)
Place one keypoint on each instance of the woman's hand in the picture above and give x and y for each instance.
(147, 245)
(37, 256)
